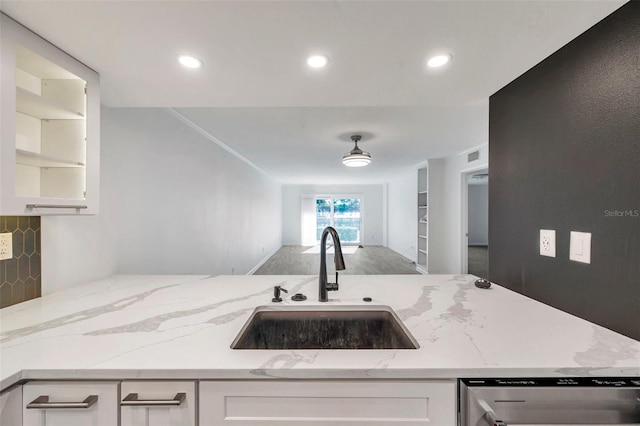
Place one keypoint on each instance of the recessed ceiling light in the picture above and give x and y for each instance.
(189, 61)
(438, 61)
(317, 61)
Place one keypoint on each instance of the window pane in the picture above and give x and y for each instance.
(347, 219)
(343, 214)
(323, 215)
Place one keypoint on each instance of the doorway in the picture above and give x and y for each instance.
(475, 204)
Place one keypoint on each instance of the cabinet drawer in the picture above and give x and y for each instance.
(61, 403)
(158, 403)
(316, 403)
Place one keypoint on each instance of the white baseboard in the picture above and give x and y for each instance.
(262, 262)
(422, 270)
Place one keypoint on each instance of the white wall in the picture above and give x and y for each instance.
(372, 215)
(478, 215)
(77, 249)
(403, 214)
(172, 202)
(454, 181)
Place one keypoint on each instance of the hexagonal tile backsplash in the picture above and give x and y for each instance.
(20, 275)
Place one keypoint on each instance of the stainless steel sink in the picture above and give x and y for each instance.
(322, 327)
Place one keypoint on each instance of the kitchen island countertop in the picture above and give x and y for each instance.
(166, 327)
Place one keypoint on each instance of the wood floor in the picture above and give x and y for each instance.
(370, 260)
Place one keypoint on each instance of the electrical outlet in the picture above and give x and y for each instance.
(6, 246)
(548, 242)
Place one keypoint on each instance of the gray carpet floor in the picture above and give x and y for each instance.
(370, 260)
(479, 261)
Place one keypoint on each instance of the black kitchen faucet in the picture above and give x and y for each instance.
(337, 259)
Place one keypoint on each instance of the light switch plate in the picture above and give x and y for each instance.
(548, 242)
(580, 247)
(6, 246)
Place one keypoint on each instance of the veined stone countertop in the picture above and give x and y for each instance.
(150, 327)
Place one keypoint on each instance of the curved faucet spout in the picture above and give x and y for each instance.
(337, 259)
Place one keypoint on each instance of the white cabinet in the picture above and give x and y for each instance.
(49, 128)
(158, 403)
(316, 403)
(231, 402)
(70, 403)
(11, 407)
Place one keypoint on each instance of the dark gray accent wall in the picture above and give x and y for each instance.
(564, 154)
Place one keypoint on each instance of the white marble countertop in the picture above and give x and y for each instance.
(126, 327)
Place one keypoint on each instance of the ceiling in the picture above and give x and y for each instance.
(256, 95)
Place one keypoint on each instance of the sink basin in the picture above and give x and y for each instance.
(319, 327)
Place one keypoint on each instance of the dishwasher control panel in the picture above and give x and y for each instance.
(557, 381)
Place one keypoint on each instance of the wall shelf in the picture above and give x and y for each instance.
(45, 109)
(35, 159)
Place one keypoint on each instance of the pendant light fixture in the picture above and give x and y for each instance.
(356, 157)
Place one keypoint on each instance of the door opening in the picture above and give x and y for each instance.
(475, 205)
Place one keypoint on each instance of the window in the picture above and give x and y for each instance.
(341, 213)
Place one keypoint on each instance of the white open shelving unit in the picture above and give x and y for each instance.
(422, 256)
(50, 132)
(430, 217)
(50, 129)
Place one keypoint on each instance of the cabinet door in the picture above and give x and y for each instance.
(49, 145)
(158, 403)
(319, 403)
(70, 403)
(11, 407)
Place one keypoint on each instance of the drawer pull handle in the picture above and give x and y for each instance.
(42, 402)
(132, 400)
(489, 415)
(55, 206)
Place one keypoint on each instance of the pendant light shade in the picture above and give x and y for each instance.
(356, 157)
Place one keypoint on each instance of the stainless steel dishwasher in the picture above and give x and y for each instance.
(557, 401)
